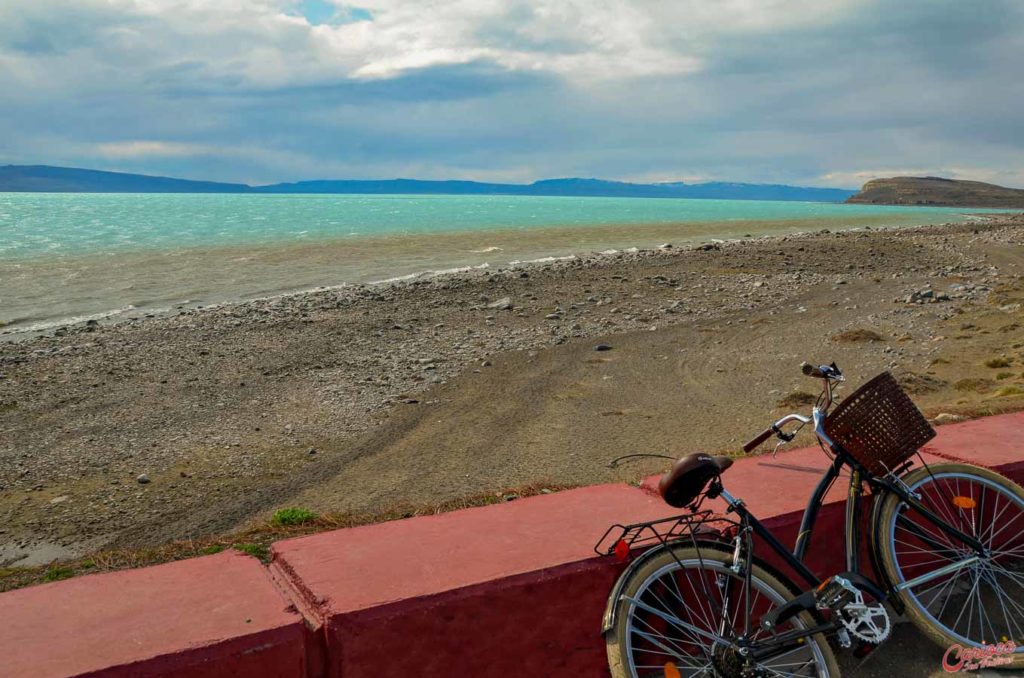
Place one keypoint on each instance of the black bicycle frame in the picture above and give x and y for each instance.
(858, 476)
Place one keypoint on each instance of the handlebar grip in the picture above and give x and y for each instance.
(756, 442)
(812, 371)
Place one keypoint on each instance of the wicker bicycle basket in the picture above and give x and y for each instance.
(879, 425)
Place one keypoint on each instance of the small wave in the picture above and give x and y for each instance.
(485, 250)
(542, 260)
(460, 269)
(399, 278)
(430, 274)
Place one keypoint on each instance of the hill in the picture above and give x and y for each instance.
(937, 191)
(570, 187)
(43, 178)
(47, 179)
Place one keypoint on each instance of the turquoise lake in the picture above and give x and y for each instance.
(65, 257)
(47, 224)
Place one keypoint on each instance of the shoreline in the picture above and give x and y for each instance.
(355, 399)
(21, 329)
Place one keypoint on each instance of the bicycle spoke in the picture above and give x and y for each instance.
(675, 621)
(654, 641)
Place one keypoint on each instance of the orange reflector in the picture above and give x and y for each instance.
(964, 502)
(671, 671)
(621, 550)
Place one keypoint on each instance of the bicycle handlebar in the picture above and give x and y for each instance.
(761, 437)
(812, 371)
(829, 373)
(822, 371)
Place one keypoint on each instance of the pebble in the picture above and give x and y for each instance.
(603, 347)
(947, 418)
(503, 304)
(143, 479)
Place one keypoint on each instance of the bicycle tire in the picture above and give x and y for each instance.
(885, 540)
(619, 657)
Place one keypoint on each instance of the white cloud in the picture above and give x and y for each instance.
(142, 149)
(263, 43)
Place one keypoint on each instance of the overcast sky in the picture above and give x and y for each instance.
(811, 92)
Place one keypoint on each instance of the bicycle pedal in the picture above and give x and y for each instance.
(829, 592)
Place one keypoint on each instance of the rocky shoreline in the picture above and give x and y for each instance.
(230, 410)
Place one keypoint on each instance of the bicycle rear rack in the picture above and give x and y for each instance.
(621, 540)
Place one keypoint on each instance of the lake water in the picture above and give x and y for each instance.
(70, 256)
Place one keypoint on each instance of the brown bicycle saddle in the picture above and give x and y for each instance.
(689, 476)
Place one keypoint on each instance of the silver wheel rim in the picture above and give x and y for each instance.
(984, 600)
(698, 626)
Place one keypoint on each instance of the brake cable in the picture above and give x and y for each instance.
(614, 463)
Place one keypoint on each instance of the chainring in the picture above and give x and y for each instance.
(867, 622)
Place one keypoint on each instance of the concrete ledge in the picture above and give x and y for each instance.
(508, 589)
(213, 616)
(996, 442)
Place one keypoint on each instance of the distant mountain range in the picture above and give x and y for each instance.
(47, 179)
(937, 191)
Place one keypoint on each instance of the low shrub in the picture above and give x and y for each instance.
(857, 335)
(292, 516)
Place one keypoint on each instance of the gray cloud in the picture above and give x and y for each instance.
(815, 93)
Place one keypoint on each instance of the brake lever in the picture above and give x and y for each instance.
(784, 439)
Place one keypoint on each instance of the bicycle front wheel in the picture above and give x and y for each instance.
(955, 596)
(686, 611)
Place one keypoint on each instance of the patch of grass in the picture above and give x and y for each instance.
(997, 362)
(8, 405)
(972, 384)
(796, 399)
(1008, 392)
(292, 516)
(58, 573)
(256, 540)
(851, 336)
(261, 551)
(939, 361)
(1004, 375)
(919, 384)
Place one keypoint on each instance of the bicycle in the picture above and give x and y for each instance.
(946, 546)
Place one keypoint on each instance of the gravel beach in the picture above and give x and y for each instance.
(365, 397)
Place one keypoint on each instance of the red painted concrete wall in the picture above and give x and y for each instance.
(213, 616)
(511, 589)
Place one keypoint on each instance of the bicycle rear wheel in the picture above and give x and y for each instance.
(686, 608)
(975, 604)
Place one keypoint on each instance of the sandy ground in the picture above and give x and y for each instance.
(370, 397)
